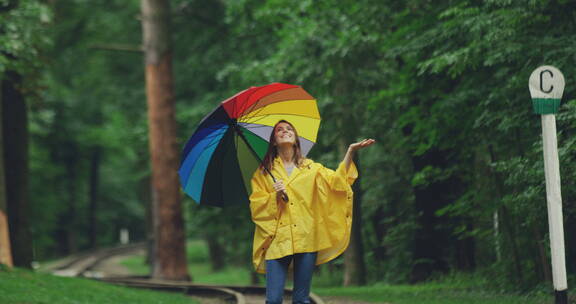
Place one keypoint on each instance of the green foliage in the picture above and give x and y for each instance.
(441, 86)
(92, 103)
(23, 35)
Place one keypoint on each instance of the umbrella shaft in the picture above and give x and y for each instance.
(239, 132)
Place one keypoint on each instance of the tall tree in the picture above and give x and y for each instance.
(5, 248)
(169, 261)
(22, 37)
(15, 134)
(354, 264)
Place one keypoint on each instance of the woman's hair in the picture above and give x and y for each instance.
(268, 161)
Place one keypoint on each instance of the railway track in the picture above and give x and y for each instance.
(227, 293)
(87, 265)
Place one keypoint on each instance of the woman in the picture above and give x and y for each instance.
(313, 226)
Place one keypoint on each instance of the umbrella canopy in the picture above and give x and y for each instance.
(221, 156)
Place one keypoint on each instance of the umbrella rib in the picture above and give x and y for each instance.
(259, 126)
(280, 113)
(246, 99)
(211, 134)
(283, 100)
(213, 142)
(210, 127)
(277, 113)
(262, 108)
(264, 116)
(249, 109)
(253, 105)
(208, 135)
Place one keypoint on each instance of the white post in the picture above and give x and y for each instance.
(496, 235)
(546, 87)
(124, 236)
(554, 198)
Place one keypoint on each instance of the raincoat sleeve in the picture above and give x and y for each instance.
(341, 179)
(334, 209)
(263, 205)
(264, 210)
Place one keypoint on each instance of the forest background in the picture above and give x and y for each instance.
(454, 184)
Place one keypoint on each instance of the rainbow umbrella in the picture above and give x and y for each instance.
(229, 144)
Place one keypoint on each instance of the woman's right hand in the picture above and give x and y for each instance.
(280, 190)
(279, 186)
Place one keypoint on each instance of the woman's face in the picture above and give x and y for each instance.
(284, 134)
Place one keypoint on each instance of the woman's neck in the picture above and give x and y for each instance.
(286, 154)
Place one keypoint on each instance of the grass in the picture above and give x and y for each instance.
(429, 293)
(448, 289)
(25, 287)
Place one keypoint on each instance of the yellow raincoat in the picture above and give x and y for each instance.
(317, 218)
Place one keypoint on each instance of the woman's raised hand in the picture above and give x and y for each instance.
(355, 147)
(361, 144)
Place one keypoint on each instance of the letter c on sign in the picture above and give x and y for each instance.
(542, 81)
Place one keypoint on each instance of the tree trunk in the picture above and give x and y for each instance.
(216, 251)
(380, 231)
(354, 266)
(145, 196)
(433, 234)
(93, 194)
(170, 250)
(15, 133)
(484, 183)
(542, 257)
(507, 222)
(466, 249)
(70, 218)
(5, 251)
(511, 233)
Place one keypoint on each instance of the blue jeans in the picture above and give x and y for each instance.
(276, 271)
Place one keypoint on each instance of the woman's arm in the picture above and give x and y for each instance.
(346, 173)
(263, 205)
(353, 148)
